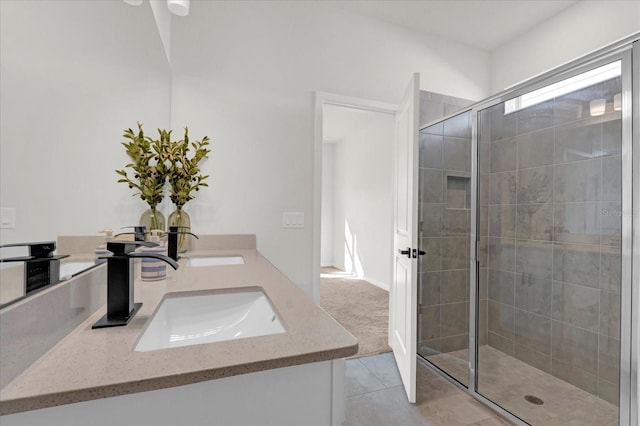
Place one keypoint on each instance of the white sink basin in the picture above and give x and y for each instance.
(185, 319)
(72, 268)
(215, 261)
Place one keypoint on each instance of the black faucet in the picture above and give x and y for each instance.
(120, 306)
(42, 267)
(140, 232)
(173, 240)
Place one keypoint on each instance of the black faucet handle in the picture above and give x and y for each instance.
(158, 256)
(173, 240)
(139, 231)
(36, 250)
(173, 230)
(126, 247)
(176, 228)
(136, 228)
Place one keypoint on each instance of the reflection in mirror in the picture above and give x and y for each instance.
(14, 282)
(74, 74)
(17, 278)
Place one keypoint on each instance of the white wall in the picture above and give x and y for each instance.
(244, 73)
(363, 201)
(162, 17)
(73, 76)
(576, 31)
(326, 237)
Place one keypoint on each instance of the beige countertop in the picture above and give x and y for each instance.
(91, 364)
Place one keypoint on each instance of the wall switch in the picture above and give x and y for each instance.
(7, 218)
(293, 220)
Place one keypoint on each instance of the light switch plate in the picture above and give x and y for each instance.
(293, 220)
(7, 218)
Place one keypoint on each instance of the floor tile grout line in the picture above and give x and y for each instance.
(371, 392)
(374, 374)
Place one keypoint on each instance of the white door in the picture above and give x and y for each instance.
(403, 296)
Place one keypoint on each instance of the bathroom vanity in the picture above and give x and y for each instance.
(289, 375)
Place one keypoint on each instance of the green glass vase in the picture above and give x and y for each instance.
(181, 219)
(153, 219)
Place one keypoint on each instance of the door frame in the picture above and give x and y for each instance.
(321, 99)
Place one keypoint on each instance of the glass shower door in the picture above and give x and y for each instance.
(444, 231)
(549, 251)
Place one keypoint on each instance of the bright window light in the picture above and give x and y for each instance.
(589, 78)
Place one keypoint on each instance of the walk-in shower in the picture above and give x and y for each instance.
(525, 214)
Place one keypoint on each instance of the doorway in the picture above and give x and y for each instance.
(356, 217)
(357, 192)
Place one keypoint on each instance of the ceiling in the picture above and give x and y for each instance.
(485, 24)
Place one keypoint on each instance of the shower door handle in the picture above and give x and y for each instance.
(406, 252)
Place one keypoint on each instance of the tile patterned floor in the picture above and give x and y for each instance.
(564, 404)
(376, 397)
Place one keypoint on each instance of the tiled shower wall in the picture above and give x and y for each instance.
(444, 214)
(550, 226)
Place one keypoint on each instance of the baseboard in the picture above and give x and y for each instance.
(370, 280)
(376, 283)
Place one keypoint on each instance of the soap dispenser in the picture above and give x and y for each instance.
(153, 269)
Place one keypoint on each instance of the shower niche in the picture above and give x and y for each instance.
(458, 192)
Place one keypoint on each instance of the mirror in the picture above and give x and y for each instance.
(74, 75)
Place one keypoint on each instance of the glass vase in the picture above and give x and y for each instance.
(181, 219)
(153, 219)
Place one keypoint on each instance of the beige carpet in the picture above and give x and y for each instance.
(360, 307)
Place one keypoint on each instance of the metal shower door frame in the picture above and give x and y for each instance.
(628, 329)
(628, 52)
